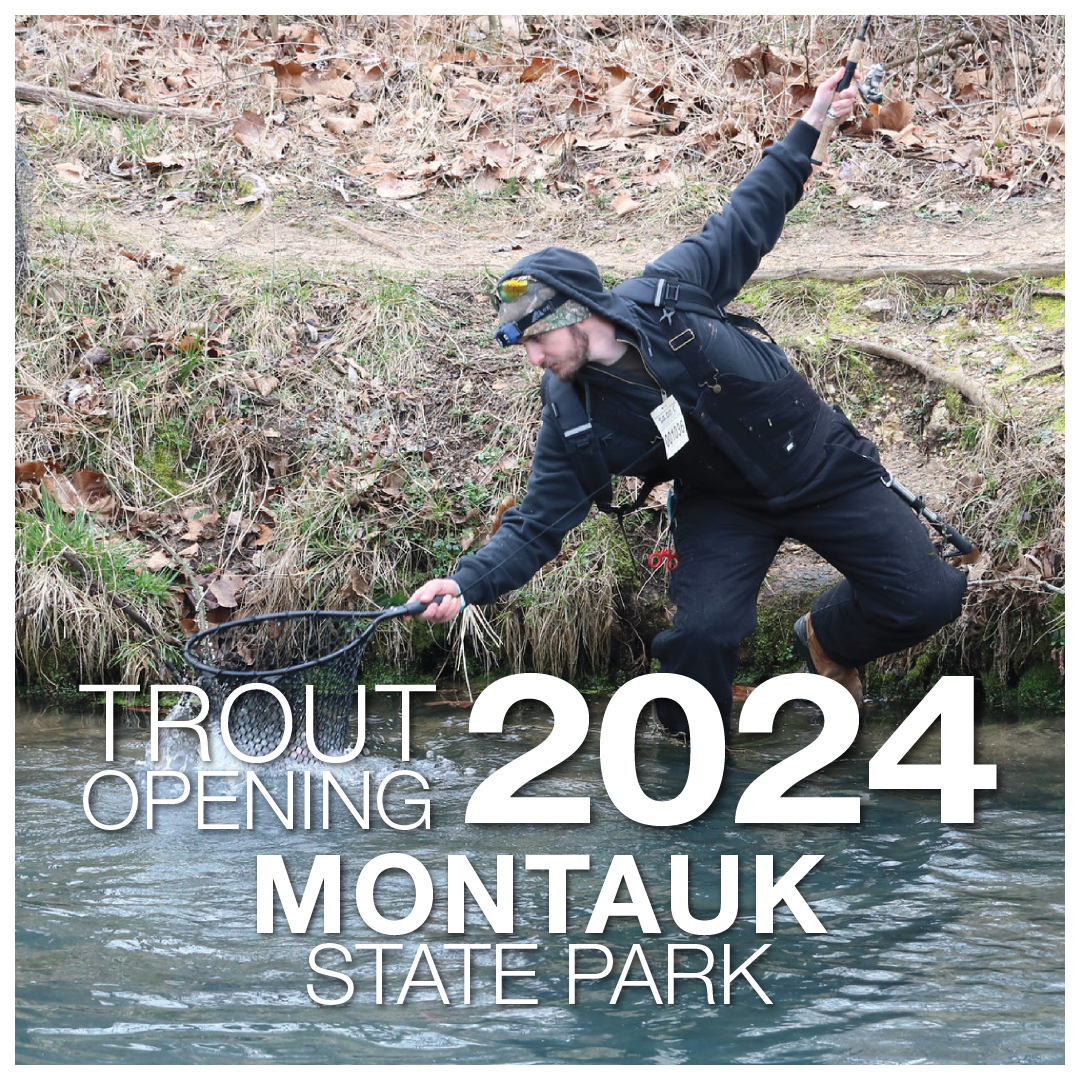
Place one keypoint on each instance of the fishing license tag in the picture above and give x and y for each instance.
(669, 422)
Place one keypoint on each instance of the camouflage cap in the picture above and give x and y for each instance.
(535, 294)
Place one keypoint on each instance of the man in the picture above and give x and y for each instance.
(754, 454)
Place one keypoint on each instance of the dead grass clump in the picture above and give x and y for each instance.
(86, 610)
(561, 621)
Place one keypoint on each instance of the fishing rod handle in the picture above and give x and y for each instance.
(956, 538)
(831, 122)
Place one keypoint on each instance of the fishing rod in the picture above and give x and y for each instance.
(917, 503)
(869, 88)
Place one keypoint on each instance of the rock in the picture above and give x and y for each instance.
(938, 423)
(878, 310)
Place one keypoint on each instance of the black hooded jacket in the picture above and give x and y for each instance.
(758, 433)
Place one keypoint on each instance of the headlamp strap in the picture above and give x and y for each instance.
(543, 311)
(510, 333)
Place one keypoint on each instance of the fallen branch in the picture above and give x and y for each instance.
(965, 38)
(987, 582)
(95, 586)
(111, 107)
(973, 391)
(932, 274)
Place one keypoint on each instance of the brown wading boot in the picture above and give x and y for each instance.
(818, 663)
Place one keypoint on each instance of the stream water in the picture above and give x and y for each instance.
(139, 946)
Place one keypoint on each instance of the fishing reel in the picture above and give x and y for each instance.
(870, 87)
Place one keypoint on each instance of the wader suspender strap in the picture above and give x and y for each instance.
(575, 422)
(574, 419)
(669, 294)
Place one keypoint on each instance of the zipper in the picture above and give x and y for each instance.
(630, 382)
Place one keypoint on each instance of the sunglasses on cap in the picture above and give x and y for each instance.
(514, 289)
(506, 292)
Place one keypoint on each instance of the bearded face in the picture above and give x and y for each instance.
(564, 351)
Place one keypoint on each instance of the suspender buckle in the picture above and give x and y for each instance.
(667, 293)
(580, 438)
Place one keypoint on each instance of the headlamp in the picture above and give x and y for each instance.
(510, 333)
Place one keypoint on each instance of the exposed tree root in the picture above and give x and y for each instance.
(1050, 369)
(930, 274)
(971, 390)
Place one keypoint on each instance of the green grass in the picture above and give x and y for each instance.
(80, 587)
(44, 534)
(1050, 311)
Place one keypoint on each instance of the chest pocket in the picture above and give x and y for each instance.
(750, 402)
(779, 427)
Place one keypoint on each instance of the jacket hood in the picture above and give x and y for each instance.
(577, 276)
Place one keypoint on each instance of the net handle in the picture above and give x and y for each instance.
(416, 607)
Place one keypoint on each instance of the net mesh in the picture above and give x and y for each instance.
(289, 652)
